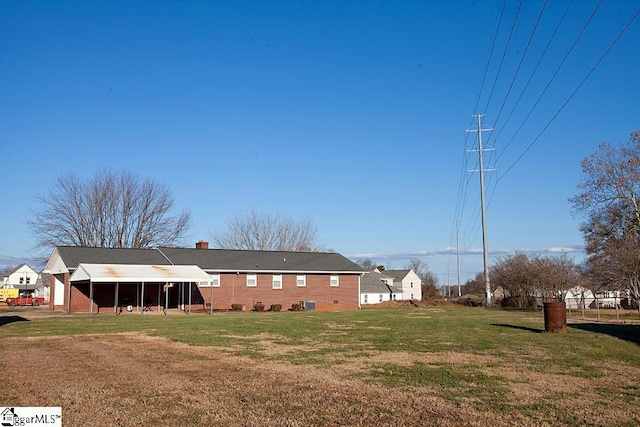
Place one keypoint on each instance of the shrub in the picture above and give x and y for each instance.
(296, 307)
(468, 302)
(276, 307)
(237, 307)
(258, 306)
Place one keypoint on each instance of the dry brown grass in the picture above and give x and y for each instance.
(135, 380)
(131, 379)
(321, 374)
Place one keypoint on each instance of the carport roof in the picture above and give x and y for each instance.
(138, 273)
(74, 255)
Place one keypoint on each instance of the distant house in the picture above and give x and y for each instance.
(91, 280)
(498, 294)
(407, 281)
(579, 297)
(23, 278)
(376, 287)
(22, 275)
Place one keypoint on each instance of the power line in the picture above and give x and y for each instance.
(573, 93)
(544, 91)
(486, 68)
(504, 54)
(524, 54)
(535, 69)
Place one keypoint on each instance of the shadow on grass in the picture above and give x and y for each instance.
(624, 332)
(5, 320)
(522, 328)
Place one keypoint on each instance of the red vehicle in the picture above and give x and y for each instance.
(24, 300)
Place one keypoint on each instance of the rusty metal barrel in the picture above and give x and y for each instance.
(555, 316)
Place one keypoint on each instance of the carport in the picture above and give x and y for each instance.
(110, 278)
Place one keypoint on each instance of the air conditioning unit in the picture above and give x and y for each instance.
(308, 305)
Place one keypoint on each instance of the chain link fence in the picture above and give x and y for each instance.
(600, 308)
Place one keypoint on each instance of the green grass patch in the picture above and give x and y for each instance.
(474, 330)
(451, 382)
(314, 337)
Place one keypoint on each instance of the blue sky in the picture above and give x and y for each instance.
(351, 113)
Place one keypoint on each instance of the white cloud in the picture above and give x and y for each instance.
(578, 249)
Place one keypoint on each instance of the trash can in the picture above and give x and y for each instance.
(555, 316)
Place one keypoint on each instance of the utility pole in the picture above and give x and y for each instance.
(485, 246)
(458, 258)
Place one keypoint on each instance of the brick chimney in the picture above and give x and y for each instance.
(202, 244)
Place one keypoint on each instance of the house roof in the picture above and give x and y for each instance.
(373, 282)
(138, 273)
(397, 274)
(75, 255)
(212, 259)
(17, 268)
(240, 260)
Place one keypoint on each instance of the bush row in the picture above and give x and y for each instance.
(261, 307)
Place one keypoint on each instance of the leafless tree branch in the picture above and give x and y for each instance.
(260, 231)
(110, 210)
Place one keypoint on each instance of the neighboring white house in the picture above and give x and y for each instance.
(22, 277)
(610, 299)
(407, 281)
(579, 297)
(26, 280)
(376, 287)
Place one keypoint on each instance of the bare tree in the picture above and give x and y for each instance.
(475, 286)
(110, 210)
(367, 264)
(429, 280)
(525, 277)
(516, 276)
(6, 270)
(609, 197)
(418, 266)
(260, 231)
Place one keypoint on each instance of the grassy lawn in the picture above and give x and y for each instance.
(492, 362)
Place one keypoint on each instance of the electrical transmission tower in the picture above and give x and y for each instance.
(482, 170)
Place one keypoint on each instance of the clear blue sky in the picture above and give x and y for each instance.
(351, 113)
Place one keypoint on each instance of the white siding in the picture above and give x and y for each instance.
(58, 296)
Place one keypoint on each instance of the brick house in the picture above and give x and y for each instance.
(92, 280)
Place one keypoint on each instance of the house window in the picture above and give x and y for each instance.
(214, 281)
(301, 280)
(365, 298)
(277, 281)
(333, 281)
(412, 284)
(252, 280)
(411, 296)
(381, 297)
(395, 297)
(21, 280)
(28, 280)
